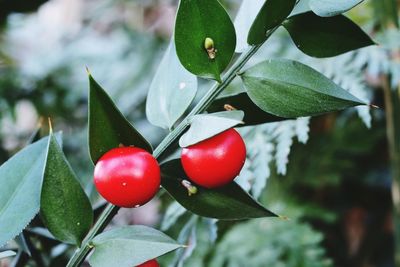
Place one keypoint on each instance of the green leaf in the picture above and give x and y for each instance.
(21, 180)
(197, 20)
(108, 128)
(129, 246)
(64, 207)
(172, 90)
(253, 115)
(7, 253)
(229, 202)
(325, 37)
(329, 8)
(271, 15)
(204, 126)
(291, 89)
(245, 17)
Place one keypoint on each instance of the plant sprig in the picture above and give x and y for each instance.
(110, 211)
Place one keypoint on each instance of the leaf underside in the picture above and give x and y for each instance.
(204, 126)
(21, 180)
(329, 8)
(172, 90)
(129, 246)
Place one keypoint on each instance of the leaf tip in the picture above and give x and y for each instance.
(88, 71)
(373, 106)
(284, 218)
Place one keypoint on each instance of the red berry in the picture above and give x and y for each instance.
(127, 176)
(215, 161)
(150, 263)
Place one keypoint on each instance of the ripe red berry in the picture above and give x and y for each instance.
(150, 263)
(215, 161)
(127, 176)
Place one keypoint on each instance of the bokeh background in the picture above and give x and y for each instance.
(331, 175)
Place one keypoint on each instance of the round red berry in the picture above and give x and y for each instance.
(127, 176)
(215, 161)
(150, 263)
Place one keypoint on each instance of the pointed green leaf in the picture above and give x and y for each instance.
(21, 180)
(172, 90)
(329, 8)
(325, 37)
(245, 17)
(204, 126)
(291, 89)
(272, 14)
(7, 253)
(253, 115)
(197, 20)
(108, 128)
(129, 246)
(64, 207)
(229, 202)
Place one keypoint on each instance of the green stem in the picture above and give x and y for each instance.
(109, 212)
(392, 109)
(104, 219)
(205, 102)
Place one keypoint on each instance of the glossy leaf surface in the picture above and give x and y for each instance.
(229, 202)
(325, 37)
(64, 207)
(197, 20)
(108, 127)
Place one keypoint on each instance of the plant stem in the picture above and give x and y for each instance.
(104, 219)
(109, 212)
(205, 102)
(392, 108)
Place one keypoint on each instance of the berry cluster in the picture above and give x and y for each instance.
(130, 177)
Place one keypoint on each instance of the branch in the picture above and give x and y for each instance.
(110, 211)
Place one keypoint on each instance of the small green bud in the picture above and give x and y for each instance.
(190, 188)
(208, 43)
